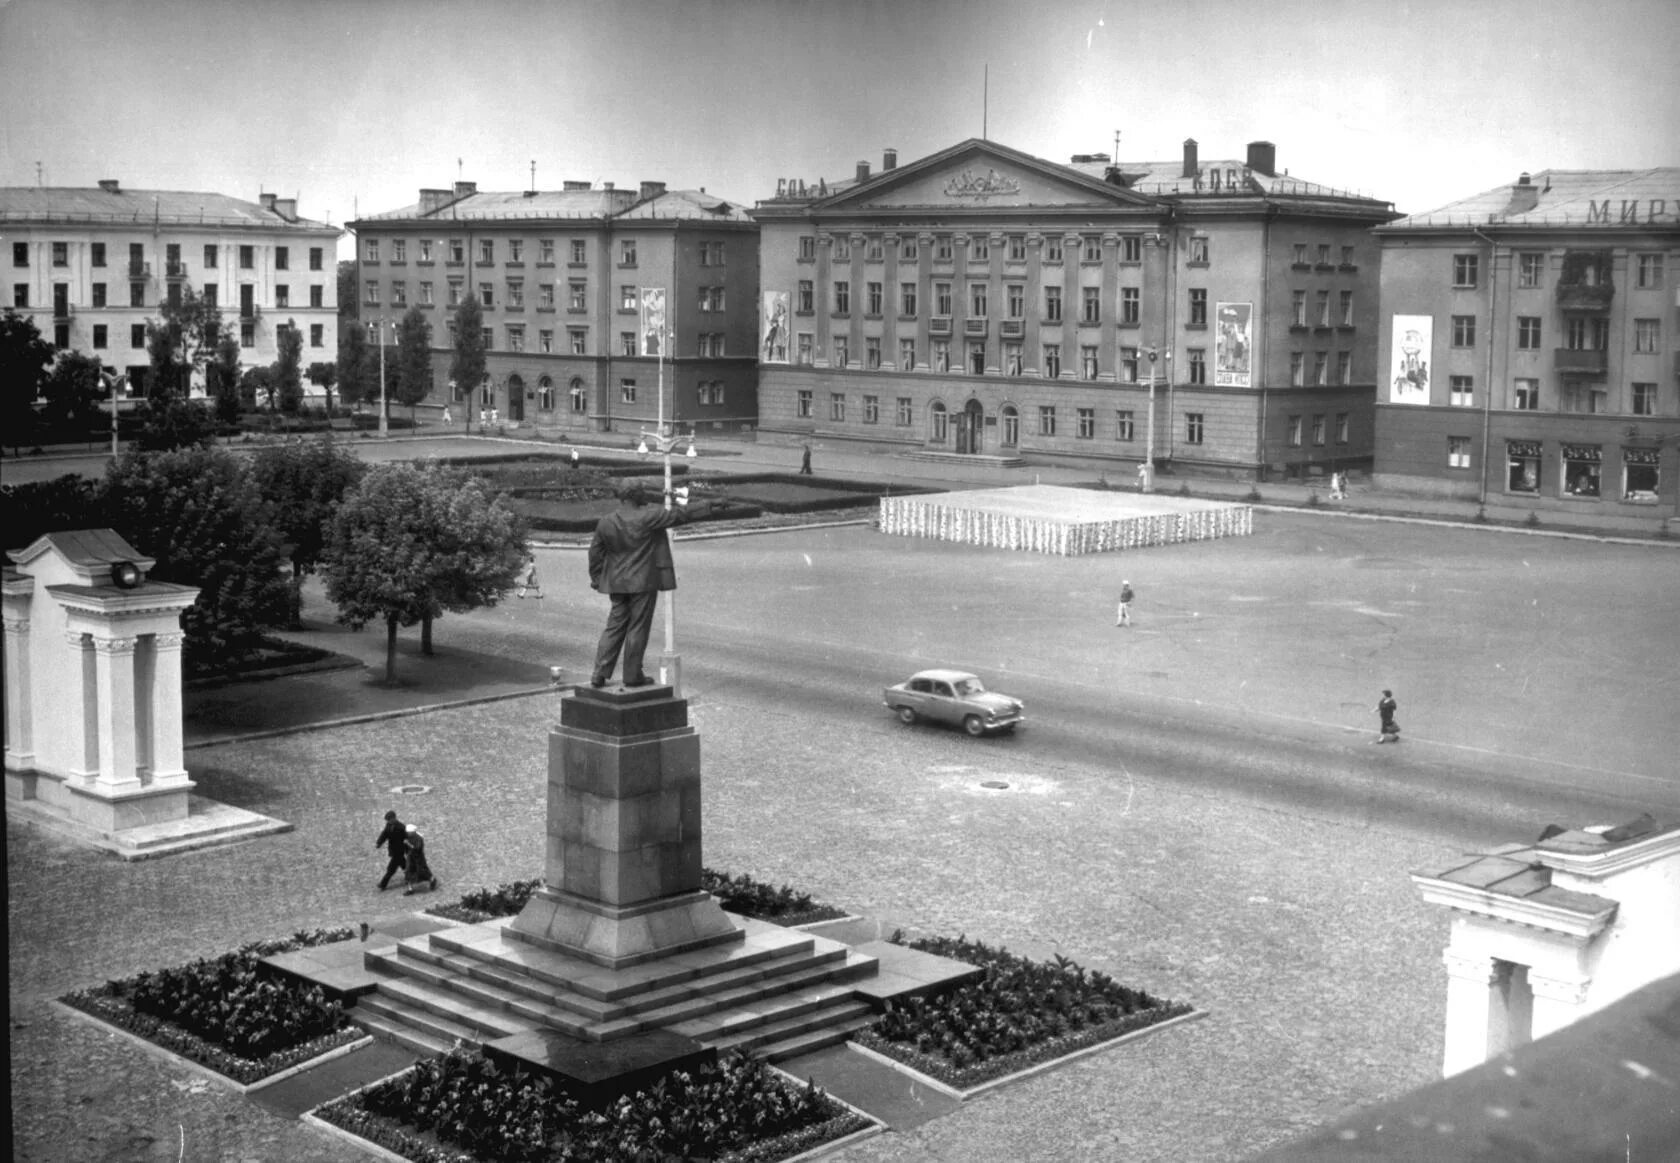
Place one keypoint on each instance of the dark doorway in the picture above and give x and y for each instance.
(971, 427)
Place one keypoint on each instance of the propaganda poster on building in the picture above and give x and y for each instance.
(1233, 365)
(653, 320)
(773, 327)
(1409, 371)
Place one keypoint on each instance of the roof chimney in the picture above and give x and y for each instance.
(1190, 167)
(110, 186)
(889, 160)
(652, 189)
(286, 208)
(1262, 157)
(267, 200)
(1525, 196)
(863, 172)
(462, 189)
(431, 201)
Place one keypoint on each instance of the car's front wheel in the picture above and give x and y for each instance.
(906, 715)
(974, 725)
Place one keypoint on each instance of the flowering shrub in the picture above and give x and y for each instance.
(465, 1100)
(739, 894)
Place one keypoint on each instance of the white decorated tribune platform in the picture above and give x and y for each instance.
(1053, 519)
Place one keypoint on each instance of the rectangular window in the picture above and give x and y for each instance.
(1581, 464)
(1644, 399)
(1199, 249)
(457, 292)
(872, 409)
(979, 249)
(907, 355)
(942, 299)
(137, 294)
(1090, 310)
(1128, 365)
(939, 421)
(627, 391)
(977, 357)
(907, 300)
(1295, 431)
(137, 335)
(1198, 307)
(1458, 452)
(1522, 459)
(516, 250)
(317, 335)
(1090, 248)
(1016, 296)
(545, 252)
(457, 251)
(577, 296)
(1466, 268)
(516, 337)
(1131, 248)
(1053, 248)
(370, 251)
(977, 303)
(283, 295)
(1298, 368)
(247, 258)
(489, 334)
(807, 248)
(842, 244)
(1088, 362)
(1125, 425)
(1318, 429)
(545, 296)
(1052, 360)
(1344, 367)
(842, 298)
(101, 336)
(1525, 395)
(317, 295)
(61, 254)
(1528, 332)
(1648, 271)
(1640, 467)
(1347, 308)
(1347, 256)
(425, 253)
(283, 256)
(1047, 420)
(1130, 304)
(1298, 308)
(806, 304)
(1194, 426)
(627, 343)
(1198, 365)
(1341, 427)
(873, 291)
(627, 297)
(842, 351)
(802, 406)
(872, 352)
(97, 254)
(1464, 331)
(486, 251)
(711, 254)
(837, 406)
(1017, 248)
(1053, 304)
(1324, 254)
(906, 416)
(579, 250)
(1323, 315)
(627, 252)
(1462, 391)
(1087, 419)
(1531, 268)
(370, 294)
(577, 340)
(99, 294)
(909, 250)
(1646, 335)
(1584, 397)
(806, 345)
(486, 295)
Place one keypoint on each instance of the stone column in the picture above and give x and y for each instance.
(117, 751)
(1471, 985)
(168, 759)
(1559, 999)
(622, 864)
(20, 733)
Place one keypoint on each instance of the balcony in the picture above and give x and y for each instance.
(1012, 328)
(1579, 362)
(939, 325)
(139, 270)
(175, 270)
(61, 312)
(249, 312)
(975, 327)
(1585, 296)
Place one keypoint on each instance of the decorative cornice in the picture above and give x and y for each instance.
(1479, 970)
(1577, 926)
(116, 646)
(1569, 990)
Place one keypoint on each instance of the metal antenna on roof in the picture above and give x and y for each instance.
(533, 175)
(985, 97)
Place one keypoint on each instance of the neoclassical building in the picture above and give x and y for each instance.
(562, 277)
(91, 266)
(1529, 348)
(981, 301)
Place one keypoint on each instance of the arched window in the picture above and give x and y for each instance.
(545, 394)
(940, 422)
(1011, 426)
(580, 398)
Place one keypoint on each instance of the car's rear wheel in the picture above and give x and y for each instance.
(974, 726)
(906, 715)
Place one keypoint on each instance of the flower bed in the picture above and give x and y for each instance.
(735, 1110)
(1021, 1014)
(226, 1014)
(741, 895)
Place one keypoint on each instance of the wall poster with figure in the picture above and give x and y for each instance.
(1233, 365)
(1409, 371)
(653, 320)
(773, 327)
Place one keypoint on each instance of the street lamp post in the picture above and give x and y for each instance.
(378, 325)
(663, 440)
(1149, 430)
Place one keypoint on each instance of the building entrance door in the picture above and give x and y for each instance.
(971, 426)
(516, 400)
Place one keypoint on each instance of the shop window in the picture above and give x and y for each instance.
(1581, 465)
(1639, 475)
(1523, 466)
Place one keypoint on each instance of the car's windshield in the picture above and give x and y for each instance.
(969, 686)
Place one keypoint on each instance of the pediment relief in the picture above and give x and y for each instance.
(982, 178)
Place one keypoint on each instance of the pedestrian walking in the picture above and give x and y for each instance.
(392, 838)
(1123, 617)
(530, 582)
(1386, 706)
(447, 418)
(805, 462)
(1338, 486)
(574, 458)
(1143, 478)
(418, 871)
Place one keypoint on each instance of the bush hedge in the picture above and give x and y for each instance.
(741, 895)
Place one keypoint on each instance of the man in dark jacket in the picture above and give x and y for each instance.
(630, 560)
(392, 840)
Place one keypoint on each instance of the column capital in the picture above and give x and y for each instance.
(1570, 989)
(857, 237)
(924, 237)
(169, 641)
(116, 646)
(1467, 968)
(17, 625)
(1034, 238)
(890, 238)
(960, 238)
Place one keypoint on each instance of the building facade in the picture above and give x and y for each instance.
(982, 301)
(566, 280)
(92, 266)
(1529, 350)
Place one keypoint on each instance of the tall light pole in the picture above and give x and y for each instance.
(664, 439)
(1149, 431)
(378, 325)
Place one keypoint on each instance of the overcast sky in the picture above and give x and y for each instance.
(353, 105)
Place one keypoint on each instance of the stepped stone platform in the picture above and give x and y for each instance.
(1063, 521)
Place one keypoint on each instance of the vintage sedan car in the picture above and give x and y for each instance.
(954, 697)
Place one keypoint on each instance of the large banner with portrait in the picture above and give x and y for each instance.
(773, 327)
(653, 321)
(1409, 367)
(1233, 353)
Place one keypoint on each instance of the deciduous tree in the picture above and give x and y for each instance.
(410, 542)
(288, 370)
(353, 365)
(223, 377)
(24, 359)
(414, 359)
(303, 485)
(324, 375)
(74, 389)
(467, 365)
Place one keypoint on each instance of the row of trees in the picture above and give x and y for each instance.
(396, 543)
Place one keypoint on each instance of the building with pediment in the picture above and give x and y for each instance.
(1529, 348)
(985, 302)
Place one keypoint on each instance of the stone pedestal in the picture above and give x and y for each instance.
(622, 863)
